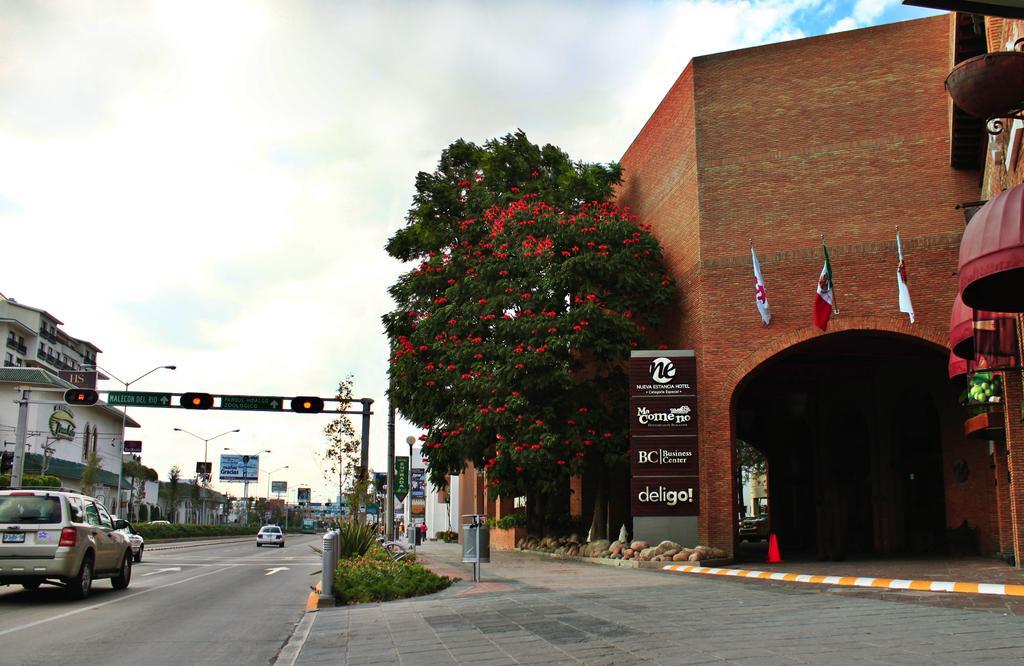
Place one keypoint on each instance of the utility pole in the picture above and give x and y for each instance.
(19, 447)
(364, 456)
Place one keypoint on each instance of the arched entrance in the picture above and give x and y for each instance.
(852, 425)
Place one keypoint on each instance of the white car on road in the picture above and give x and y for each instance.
(270, 535)
(135, 539)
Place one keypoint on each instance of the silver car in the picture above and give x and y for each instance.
(63, 538)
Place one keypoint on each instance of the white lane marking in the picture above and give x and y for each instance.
(107, 603)
(271, 572)
(863, 582)
(942, 586)
(153, 573)
(832, 580)
(900, 584)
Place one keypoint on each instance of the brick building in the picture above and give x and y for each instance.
(844, 136)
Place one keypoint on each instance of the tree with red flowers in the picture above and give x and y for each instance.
(511, 333)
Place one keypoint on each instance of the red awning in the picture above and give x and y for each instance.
(992, 255)
(961, 330)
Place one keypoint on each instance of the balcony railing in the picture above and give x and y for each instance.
(47, 334)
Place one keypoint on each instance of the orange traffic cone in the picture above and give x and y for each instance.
(773, 549)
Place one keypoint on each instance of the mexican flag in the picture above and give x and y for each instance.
(824, 299)
(760, 292)
(901, 282)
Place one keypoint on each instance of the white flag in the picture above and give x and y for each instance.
(760, 293)
(901, 282)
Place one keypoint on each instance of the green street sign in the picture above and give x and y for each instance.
(138, 399)
(251, 403)
(401, 477)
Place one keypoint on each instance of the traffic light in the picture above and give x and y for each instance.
(81, 397)
(307, 404)
(6, 462)
(196, 400)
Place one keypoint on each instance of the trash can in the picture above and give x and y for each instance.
(419, 536)
(476, 540)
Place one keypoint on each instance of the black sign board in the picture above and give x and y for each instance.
(665, 496)
(80, 378)
(132, 446)
(664, 448)
(204, 468)
(664, 457)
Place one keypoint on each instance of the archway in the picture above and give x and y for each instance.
(853, 426)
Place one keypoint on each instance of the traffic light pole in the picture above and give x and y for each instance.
(19, 447)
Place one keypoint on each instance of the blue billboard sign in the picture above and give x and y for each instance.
(239, 468)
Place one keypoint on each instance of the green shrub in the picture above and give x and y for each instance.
(367, 579)
(30, 480)
(354, 539)
(508, 522)
(150, 531)
(447, 537)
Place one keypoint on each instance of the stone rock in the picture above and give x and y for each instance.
(603, 553)
(649, 552)
(670, 553)
(694, 556)
(718, 553)
(666, 546)
(628, 553)
(622, 533)
(658, 558)
(595, 547)
(617, 548)
(639, 545)
(681, 556)
(574, 538)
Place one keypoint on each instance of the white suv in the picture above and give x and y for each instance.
(60, 537)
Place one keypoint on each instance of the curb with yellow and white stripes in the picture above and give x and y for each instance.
(856, 581)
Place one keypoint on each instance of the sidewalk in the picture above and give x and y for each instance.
(534, 609)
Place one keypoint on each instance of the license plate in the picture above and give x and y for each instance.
(14, 537)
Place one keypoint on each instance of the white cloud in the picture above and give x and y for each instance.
(212, 185)
(864, 13)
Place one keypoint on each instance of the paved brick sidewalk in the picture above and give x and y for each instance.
(532, 609)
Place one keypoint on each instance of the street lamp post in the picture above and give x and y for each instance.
(410, 440)
(124, 426)
(245, 488)
(206, 443)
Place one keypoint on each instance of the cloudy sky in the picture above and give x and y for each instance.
(211, 184)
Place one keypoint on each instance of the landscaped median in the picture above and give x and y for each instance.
(175, 531)
(367, 572)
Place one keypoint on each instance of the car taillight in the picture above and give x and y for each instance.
(68, 537)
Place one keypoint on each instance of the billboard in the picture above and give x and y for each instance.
(664, 448)
(380, 481)
(133, 446)
(278, 487)
(239, 468)
(419, 484)
(303, 495)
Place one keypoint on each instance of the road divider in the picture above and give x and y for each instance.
(857, 581)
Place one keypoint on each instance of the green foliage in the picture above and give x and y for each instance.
(90, 473)
(180, 531)
(750, 461)
(172, 491)
(369, 579)
(511, 336)
(35, 481)
(508, 522)
(447, 536)
(355, 539)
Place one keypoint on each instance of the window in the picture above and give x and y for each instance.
(105, 517)
(29, 509)
(92, 516)
(76, 510)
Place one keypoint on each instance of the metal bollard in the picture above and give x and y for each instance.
(329, 564)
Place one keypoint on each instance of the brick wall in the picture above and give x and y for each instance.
(843, 135)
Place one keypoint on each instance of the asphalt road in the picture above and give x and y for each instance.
(228, 603)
